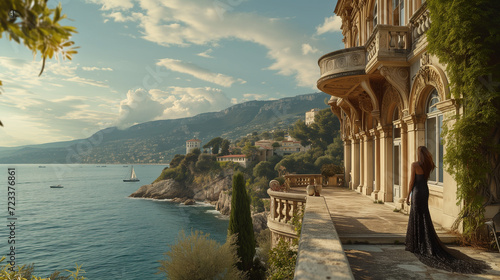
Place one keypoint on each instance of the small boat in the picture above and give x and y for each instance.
(57, 187)
(133, 177)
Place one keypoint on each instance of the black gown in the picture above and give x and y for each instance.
(422, 240)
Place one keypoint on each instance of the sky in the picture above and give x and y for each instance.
(144, 60)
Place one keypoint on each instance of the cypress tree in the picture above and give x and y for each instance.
(240, 223)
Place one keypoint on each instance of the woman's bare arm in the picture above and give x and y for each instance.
(412, 181)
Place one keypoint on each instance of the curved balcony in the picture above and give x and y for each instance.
(341, 71)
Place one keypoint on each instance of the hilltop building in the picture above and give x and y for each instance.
(243, 160)
(192, 144)
(390, 96)
(310, 115)
(286, 147)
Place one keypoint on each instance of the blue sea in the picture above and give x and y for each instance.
(92, 222)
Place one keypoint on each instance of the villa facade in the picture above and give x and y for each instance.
(390, 96)
(242, 160)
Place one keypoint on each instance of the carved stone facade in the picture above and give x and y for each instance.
(391, 96)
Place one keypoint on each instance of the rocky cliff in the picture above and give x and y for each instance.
(214, 190)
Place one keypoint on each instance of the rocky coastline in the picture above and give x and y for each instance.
(216, 191)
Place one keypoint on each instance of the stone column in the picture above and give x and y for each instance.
(405, 164)
(386, 174)
(376, 187)
(347, 162)
(355, 164)
(362, 163)
(367, 161)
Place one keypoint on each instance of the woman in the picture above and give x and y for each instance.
(421, 238)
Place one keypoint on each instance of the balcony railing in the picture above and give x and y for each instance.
(388, 43)
(420, 23)
(284, 205)
(303, 180)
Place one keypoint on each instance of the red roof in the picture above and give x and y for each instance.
(232, 156)
(194, 140)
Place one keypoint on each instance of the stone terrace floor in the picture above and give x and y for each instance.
(373, 239)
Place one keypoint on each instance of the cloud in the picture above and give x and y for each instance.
(37, 119)
(254, 96)
(194, 22)
(139, 106)
(206, 54)
(173, 103)
(120, 17)
(97, 68)
(331, 24)
(85, 81)
(24, 74)
(197, 72)
(307, 49)
(114, 4)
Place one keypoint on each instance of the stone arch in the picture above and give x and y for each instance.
(428, 77)
(351, 113)
(390, 102)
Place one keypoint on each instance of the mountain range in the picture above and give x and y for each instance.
(158, 141)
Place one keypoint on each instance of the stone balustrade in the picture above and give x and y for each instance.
(420, 22)
(303, 180)
(284, 205)
(388, 43)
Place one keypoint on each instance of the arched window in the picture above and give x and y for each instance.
(433, 140)
(375, 15)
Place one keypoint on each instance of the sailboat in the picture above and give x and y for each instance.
(133, 177)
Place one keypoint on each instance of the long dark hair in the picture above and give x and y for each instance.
(425, 161)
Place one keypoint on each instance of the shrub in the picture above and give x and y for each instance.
(198, 257)
(25, 272)
(282, 261)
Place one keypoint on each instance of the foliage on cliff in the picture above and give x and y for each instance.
(468, 44)
(198, 257)
(186, 168)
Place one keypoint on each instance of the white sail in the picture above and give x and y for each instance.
(133, 177)
(132, 174)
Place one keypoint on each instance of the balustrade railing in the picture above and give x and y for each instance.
(284, 205)
(388, 42)
(303, 180)
(420, 23)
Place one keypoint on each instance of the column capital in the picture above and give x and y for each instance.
(414, 119)
(385, 131)
(374, 133)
